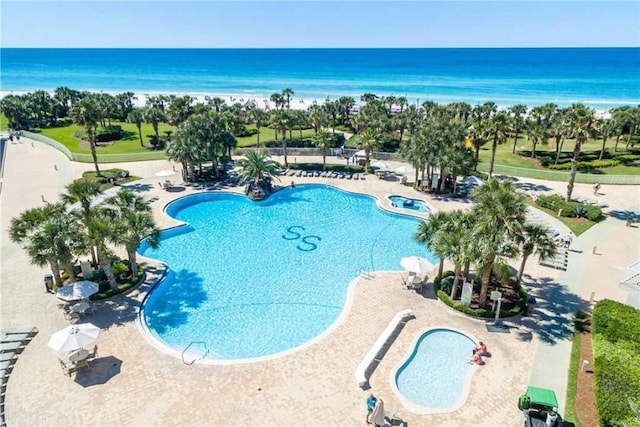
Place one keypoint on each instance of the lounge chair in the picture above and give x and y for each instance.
(11, 347)
(23, 338)
(5, 357)
(20, 330)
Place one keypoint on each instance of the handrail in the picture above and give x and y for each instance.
(187, 348)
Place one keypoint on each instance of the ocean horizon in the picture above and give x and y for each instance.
(602, 78)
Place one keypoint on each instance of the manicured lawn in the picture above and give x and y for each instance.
(129, 144)
(577, 225)
(267, 134)
(521, 159)
(3, 122)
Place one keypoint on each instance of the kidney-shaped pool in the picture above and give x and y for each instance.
(436, 375)
(251, 279)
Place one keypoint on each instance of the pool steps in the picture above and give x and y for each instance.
(367, 366)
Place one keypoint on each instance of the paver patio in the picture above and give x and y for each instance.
(132, 383)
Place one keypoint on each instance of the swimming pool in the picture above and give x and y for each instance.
(252, 279)
(435, 377)
(401, 202)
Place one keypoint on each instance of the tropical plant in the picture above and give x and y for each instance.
(84, 191)
(517, 122)
(369, 141)
(580, 122)
(258, 167)
(497, 132)
(154, 115)
(432, 234)
(136, 117)
(87, 113)
(500, 215)
(534, 238)
(323, 141)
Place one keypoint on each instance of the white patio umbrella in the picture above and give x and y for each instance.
(74, 337)
(165, 173)
(401, 170)
(377, 415)
(77, 290)
(380, 164)
(360, 153)
(416, 264)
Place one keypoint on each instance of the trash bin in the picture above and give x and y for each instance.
(48, 282)
(531, 302)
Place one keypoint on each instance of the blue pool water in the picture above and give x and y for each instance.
(433, 376)
(252, 279)
(401, 202)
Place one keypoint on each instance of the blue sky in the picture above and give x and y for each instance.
(320, 24)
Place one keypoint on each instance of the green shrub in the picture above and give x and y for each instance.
(616, 345)
(594, 164)
(569, 209)
(483, 312)
(108, 133)
(627, 158)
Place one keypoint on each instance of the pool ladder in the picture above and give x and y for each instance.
(187, 348)
(364, 273)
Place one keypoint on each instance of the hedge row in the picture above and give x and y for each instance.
(570, 209)
(594, 164)
(616, 352)
(483, 312)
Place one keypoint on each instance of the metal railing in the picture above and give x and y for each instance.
(187, 348)
(584, 178)
(102, 158)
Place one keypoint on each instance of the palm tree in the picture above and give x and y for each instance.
(287, 94)
(536, 133)
(103, 229)
(517, 122)
(431, 234)
(605, 128)
(258, 167)
(323, 141)
(534, 238)
(580, 122)
(133, 213)
(259, 117)
(50, 237)
(280, 122)
(84, 192)
(369, 141)
(456, 244)
(154, 116)
(498, 127)
(137, 117)
(87, 113)
(477, 134)
(500, 215)
(185, 149)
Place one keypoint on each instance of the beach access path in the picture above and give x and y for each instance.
(133, 383)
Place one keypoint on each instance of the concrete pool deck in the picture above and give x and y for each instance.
(132, 383)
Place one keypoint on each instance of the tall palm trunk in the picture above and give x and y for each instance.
(441, 268)
(284, 152)
(604, 141)
(55, 270)
(456, 278)
(106, 267)
(525, 256)
(533, 148)
(559, 150)
(133, 263)
(574, 167)
(615, 147)
(494, 147)
(629, 137)
(72, 275)
(486, 281)
(92, 146)
(515, 142)
(140, 135)
(258, 136)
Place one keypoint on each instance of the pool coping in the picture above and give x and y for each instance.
(155, 341)
(423, 410)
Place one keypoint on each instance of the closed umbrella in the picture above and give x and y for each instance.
(377, 416)
(165, 173)
(77, 290)
(74, 337)
(416, 264)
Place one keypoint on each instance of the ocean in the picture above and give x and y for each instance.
(599, 77)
